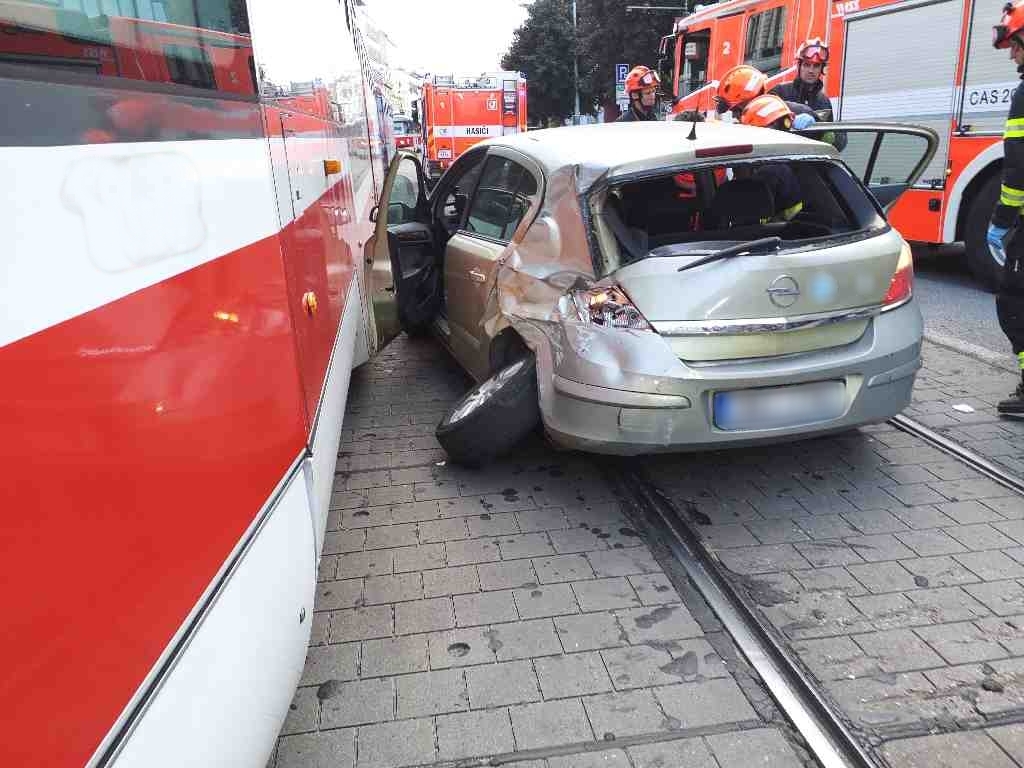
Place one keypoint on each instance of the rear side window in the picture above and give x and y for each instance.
(764, 40)
(799, 201)
(202, 45)
(502, 199)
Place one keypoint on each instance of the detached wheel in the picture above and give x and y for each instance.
(979, 258)
(492, 417)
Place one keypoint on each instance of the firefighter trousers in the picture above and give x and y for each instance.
(1010, 299)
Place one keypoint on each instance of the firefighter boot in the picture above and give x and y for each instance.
(1014, 404)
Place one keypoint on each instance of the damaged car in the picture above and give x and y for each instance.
(651, 287)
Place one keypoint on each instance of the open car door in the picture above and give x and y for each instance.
(402, 270)
(888, 159)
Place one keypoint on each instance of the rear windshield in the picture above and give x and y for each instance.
(700, 210)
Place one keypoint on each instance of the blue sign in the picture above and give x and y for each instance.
(621, 70)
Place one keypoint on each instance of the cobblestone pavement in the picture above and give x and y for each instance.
(895, 574)
(514, 612)
(956, 395)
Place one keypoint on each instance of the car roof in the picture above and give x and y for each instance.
(624, 148)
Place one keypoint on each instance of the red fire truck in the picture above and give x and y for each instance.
(928, 62)
(459, 111)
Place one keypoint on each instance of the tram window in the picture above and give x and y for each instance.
(203, 44)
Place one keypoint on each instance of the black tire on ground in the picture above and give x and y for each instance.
(494, 416)
(979, 258)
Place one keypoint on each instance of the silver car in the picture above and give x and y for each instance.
(643, 287)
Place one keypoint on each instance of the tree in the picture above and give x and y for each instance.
(608, 35)
(542, 49)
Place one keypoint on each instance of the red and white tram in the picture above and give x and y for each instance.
(184, 290)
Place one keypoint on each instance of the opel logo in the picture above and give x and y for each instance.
(784, 291)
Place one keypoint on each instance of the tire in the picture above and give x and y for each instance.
(493, 417)
(979, 259)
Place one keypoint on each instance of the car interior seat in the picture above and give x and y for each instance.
(741, 203)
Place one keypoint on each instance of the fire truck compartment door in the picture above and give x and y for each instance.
(401, 271)
(887, 158)
(899, 66)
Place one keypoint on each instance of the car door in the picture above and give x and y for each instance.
(887, 158)
(508, 190)
(402, 275)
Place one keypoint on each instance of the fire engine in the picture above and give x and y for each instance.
(928, 62)
(460, 111)
(407, 134)
(189, 278)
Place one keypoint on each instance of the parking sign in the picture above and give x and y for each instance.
(621, 70)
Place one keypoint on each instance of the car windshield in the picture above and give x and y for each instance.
(704, 209)
(403, 127)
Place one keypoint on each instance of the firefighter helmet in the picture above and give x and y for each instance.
(1010, 25)
(768, 112)
(813, 51)
(641, 78)
(741, 84)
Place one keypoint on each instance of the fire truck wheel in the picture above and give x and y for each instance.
(493, 416)
(979, 259)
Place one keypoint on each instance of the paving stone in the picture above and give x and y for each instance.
(524, 639)
(338, 542)
(320, 632)
(1003, 598)
(979, 537)
(738, 535)
(931, 542)
(488, 526)
(331, 749)
(833, 579)
(1008, 630)
(883, 577)
(991, 566)
(639, 666)
(896, 702)
(765, 747)
(1012, 528)
(817, 614)
(395, 494)
(898, 650)
(330, 662)
(360, 702)
(390, 536)
(365, 480)
(393, 589)
(948, 750)
(419, 558)
(1010, 507)
(884, 546)
(303, 713)
(460, 648)
(451, 529)
(972, 488)
(836, 658)
(474, 734)
(497, 685)
(506, 575)
(362, 624)
(525, 545)
(485, 608)
(577, 674)
(366, 517)
(875, 522)
(622, 562)
(327, 570)
(691, 753)
(431, 693)
(471, 551)
(414, 511)
(561, 568)
(923, 518)
(357, 564)
(589, 631)
(424, 616)
(536, 520)
(1011, 739)
(625, 714)
(450, 581)
(394, 656)
(654, 589)
(711, 702)
(665, 622)
(606, 758)
(962, 643)
(333, 595)
(575, 540)
(605, 594)
(549, 724)
(391, 745)
(545, 600)
(940, 571)
(970, 512)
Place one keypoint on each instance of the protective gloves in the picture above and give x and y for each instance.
(802, 121)
(996, 237)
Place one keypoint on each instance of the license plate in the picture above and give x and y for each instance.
(444, 154)
(779, 407)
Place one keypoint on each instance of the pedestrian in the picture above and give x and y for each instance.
(1004, 232)
(737, 88)
(642, 90)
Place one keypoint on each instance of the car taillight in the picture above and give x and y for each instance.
(608, 307)
(901, 287)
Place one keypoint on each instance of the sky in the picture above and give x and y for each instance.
(449, 35)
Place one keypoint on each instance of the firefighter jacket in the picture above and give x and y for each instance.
(631, 115)
(799, 92)
(1011, 195)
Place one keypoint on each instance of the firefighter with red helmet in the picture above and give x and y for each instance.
(1005, 238)
(642, 90)
(808, 88)
(737, 87)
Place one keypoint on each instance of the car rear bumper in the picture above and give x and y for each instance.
(878, 371)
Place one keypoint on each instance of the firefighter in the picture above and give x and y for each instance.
(1004, 233)
(642, 90)
(737, 87)
(808, 88)
(772, 112)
